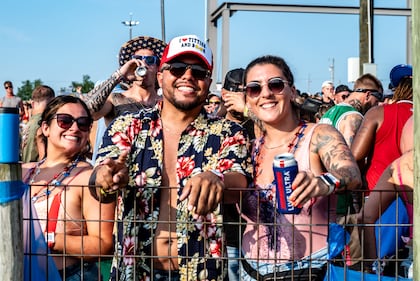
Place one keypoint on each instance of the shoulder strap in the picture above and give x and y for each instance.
(52, 220)
(28, 174)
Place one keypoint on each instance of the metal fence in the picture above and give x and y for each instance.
(345, 259)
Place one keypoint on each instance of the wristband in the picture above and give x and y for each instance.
(219, 174)
(119, 76)
(332, 182)
(50, 239)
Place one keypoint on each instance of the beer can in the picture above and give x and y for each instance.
(285, 169)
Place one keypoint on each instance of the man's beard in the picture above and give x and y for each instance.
(186, 105)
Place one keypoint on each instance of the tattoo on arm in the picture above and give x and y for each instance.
(334, 153)
(96, 98)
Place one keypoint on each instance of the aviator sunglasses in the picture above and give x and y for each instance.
(276, 85)
(178, 69)
(65, 121)
(149, 60)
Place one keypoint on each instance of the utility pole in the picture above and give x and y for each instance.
(162, 18)
(366, 33)
(331, 68)
(130, 23)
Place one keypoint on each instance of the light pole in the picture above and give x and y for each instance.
(130, 23)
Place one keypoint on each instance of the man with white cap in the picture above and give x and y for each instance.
(327, 93)
(180, 163)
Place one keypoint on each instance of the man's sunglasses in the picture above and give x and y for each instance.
(178, 69)
(373, 92)
(65, 121)
(149, 60)
(276, 85)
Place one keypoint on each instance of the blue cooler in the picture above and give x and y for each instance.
(9, 135)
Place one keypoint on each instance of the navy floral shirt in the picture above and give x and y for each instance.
(206, 144)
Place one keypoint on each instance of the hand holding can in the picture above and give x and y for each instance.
(285, 169)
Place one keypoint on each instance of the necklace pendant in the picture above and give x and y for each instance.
(34, 198)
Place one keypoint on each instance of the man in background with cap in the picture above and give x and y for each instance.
(141, 53)
(181, 163)
(327, 93)
(346, 117)
(377, 142)
(341, 93)
(214, 104)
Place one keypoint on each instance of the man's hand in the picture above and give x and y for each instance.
(204, 192)
(112, 175)
(234, 102)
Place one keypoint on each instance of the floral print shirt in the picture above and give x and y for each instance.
(206, 144)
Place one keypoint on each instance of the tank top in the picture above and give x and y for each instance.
(295, 236)
(387, 139)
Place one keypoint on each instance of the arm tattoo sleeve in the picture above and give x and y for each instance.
(96, 98)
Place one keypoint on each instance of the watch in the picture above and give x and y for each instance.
(332, 182)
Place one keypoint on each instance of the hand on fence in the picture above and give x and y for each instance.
(204, 192)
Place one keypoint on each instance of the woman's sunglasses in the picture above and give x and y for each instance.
(149, 60)
(178, 69)
(276, 85)
(65, 121)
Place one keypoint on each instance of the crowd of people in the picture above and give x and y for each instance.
(177, 182)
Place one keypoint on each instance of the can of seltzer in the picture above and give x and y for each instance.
(285, 169)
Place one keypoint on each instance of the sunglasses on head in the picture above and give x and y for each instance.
(178, 69)
(275, 85)
(149, 60)
(65, 121)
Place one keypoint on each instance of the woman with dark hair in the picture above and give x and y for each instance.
(274, 242)
(58, 205)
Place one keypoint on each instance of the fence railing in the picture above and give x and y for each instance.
(345, 257)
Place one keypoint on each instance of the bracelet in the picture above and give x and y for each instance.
(104, 195)
(119, 75)
(219, 174)
(50, 239)
(106, 192)
(332, 182)
(246, 111)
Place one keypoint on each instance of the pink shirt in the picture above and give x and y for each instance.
(295, 236)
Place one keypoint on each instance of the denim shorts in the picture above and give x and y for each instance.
(315, 260)
(75, 272)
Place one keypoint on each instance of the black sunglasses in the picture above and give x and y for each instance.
(8, 87)
(373, 92)
(178, 69)
(276, 85)
(65, 121)
(149, 60)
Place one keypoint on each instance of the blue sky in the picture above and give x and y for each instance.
(60, 41)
